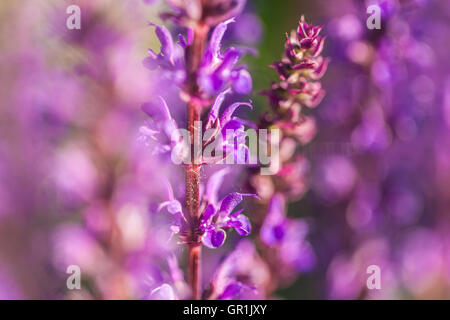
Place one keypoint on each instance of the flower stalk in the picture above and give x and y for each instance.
(205, 75)
(194, 54)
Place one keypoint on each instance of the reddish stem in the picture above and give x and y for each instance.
(194, 55)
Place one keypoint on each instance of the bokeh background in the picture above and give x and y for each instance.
(77, 184)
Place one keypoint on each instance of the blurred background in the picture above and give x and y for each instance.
(77, 184)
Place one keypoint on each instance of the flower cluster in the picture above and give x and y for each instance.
(202, 71)
(300, 68)
(225, 133)
(161, 132)
(216, 217)
(218, 70)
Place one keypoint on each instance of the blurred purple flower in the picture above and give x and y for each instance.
(242, 275)
(248, 29)
(288, 235)
(170, 60)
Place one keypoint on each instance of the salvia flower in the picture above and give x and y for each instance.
(174, 288)
(161, 132)
(241, 274)
(227, 131)
(216, 218)
(173, 206)
(219, 69)
(287, 235)
(214, 222)
(299, 69)
(171, 57)
(170, 61)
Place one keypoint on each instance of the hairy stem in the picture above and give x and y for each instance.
(194, 55)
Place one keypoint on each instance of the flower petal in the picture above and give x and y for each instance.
(214, 183)
(166, 40)
(207, 214)
(244, 228)
(242, 83)
(232, 200)
(159, 111)
(214, 112)
(217, 36)
(173, 206)
(274, 228)
(228, 113)
(230, 57)
(182, 41)
(214, 238)
(232, 290)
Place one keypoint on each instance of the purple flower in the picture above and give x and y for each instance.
(227, 132)
(219, 70)
(274, 228)
(170, 60)
(307, 38)
(295, 251)
(218, 217)
(248, 29)
(288, 235)
(214, 221)
(173, 206)
(299, 68)
(233, 289)
(161, 131)
(241, 275)
(174, 289)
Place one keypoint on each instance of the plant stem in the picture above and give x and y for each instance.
(194, 55)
